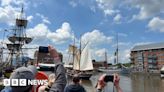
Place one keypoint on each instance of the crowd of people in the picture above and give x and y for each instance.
(57, 81)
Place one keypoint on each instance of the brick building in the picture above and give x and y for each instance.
(45, 57)
(97, 64)
(150, 55)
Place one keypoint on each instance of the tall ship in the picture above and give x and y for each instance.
(81, 62)
(14, 55)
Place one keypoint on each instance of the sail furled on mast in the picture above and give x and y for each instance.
(73, 50)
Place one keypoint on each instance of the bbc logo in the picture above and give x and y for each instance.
(15, 82)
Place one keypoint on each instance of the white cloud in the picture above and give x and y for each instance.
(73, 3)
(42, 33)
(108, 6)
(29, 18)
(124, 56)
(100, 53)
(156, 24)
(62, 34)
(15, 2)
(93, 8)
(122, 34)
(8, 14)
(44, 19)
(142, 43)
(19, 2)
(144, 8)
(96, 37)
(110, 12)
(147, 8)
(5, 2)
(120, 44)
(39, 31)
(117, 18)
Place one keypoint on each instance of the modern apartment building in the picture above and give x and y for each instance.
(149, 56)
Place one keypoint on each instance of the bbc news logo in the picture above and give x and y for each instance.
(23, 82)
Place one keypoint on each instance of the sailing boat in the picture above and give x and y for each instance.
(17, 39)
(113, 69)
(125, 70)
(82, 62)
(109, 70)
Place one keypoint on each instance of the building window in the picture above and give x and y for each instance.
(139, 57)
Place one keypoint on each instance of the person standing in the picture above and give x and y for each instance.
(75, 86)
(27, 73)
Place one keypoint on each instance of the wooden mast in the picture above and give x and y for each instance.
(117, 49)
(80, 53)
(73, 53)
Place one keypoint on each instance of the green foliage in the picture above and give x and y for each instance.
(127, 64)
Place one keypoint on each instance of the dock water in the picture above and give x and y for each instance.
(136, 82)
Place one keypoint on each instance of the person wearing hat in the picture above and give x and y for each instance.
(75, 86)
(27, 73)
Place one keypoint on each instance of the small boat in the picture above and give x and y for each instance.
(125, 70)
(162, 72)
(109, 70)
(82, 74)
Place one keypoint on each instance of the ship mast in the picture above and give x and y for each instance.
(80, 49)
(116, 52)
(18, 39)
(106, 59)
(73, 54)
(117, 48)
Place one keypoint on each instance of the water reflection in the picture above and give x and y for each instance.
(133, 83)
(88, 85)
(147, 83)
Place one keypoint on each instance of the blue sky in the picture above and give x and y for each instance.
(97, 21)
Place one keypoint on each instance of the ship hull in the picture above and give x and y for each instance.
(85, 75)
(110, 71)
(46, 67)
